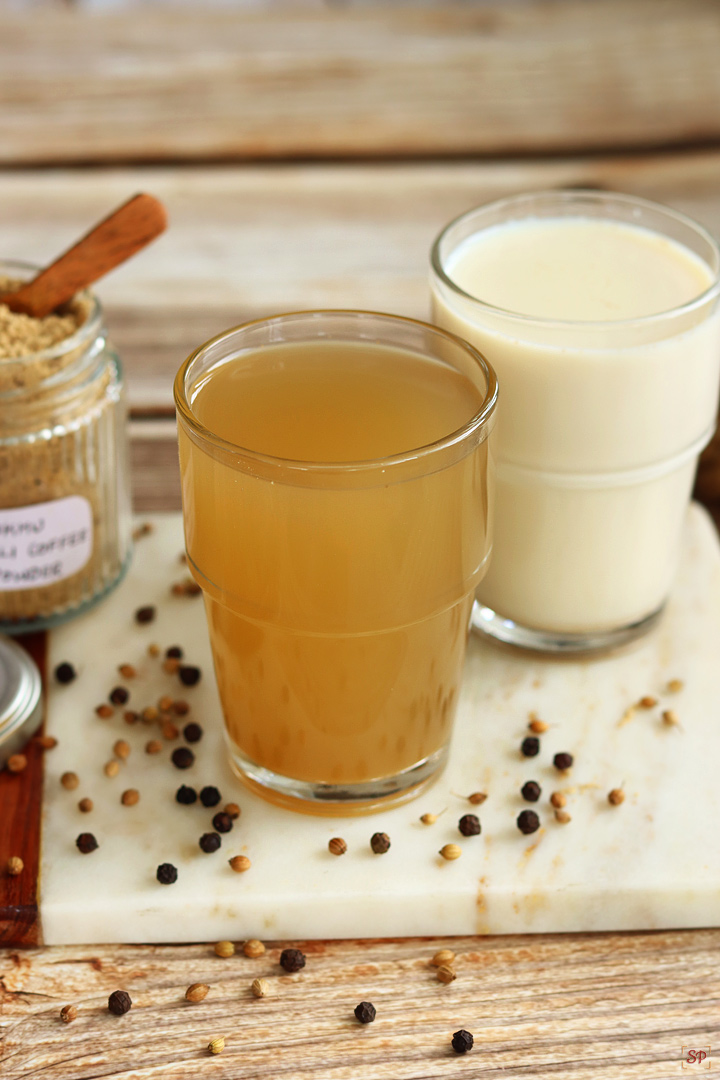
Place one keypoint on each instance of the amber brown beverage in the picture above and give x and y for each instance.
(336, 496)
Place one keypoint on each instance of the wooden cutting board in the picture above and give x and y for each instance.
(648, 863)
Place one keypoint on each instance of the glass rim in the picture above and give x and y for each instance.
(476, 423)
(87, 330)
(589, 194)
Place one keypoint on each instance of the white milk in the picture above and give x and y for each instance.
(605, 401)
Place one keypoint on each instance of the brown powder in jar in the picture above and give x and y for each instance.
(60, 437)
(22, 335)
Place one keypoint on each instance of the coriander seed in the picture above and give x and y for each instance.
(131, 797)
(209, 842)
(462, 1041)
(85, 805)
(450, 852)
(292, 960)
(182, 757)
(70, 781)
(563, 762)
(428, 819)
(111, 768)
(45, 742)
(445, 974)
(15, 866)
(86, 843)
(675, 686)
(165, 703)
(216, 1046)
(253, 948)
(150, 714)
(121, 749)
(233, 810)
(17, 763)
(127, 671)
(169, 730)
(68, 1013)
(130, 716)
(469, 825)
(153, 650)
(192, 732)
(153, 747)
(224, 949)
(186, 796)
(477, 798)
(670, 718)
(65, 673)
(530, 746)
(119, 1002)
(380, 843)
(538, 727)
(531, 791)
(337, 846)
(528, 822)
(171, 665)
(558, 800)
(119, 695)
(166, 873)
(647, 702)
(145, 614)
(104, 711)
(239, 863)
(196, 992)
(365, 1012)
(180, 708)
(562, 817)
(616, 796)
(210, 796)
(260, 988)
(444, 956)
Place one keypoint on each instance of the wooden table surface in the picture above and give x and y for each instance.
(307, 157)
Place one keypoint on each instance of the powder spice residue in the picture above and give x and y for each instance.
(22, 335)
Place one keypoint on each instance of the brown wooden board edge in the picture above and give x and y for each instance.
(20, 818)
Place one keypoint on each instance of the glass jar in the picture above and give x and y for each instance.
(64, 477)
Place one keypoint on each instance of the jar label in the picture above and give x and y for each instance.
(44, 543)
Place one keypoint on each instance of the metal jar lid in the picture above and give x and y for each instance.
(20, 698)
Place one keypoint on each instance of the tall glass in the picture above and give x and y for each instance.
(337, 504)
(602, 417)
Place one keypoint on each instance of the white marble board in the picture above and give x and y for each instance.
(652, 862)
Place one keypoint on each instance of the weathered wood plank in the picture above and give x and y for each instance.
(386, 80)
(250, 241)
(616, 1006)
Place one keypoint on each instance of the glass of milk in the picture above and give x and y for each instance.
(600, 313)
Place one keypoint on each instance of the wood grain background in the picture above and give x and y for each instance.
(308, 153)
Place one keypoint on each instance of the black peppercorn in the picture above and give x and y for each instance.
(189, 675)
(186, 795)
(119, 695)
(65, 673)
(469, 825)
(119, 1002)
(222, 822)
(209, 842)
(193, 732)
(531, 791)
(182, 758)
(462, 1041)
(292, 960)
(145, 614)
(86, 843)
(174, 652)
(530, 746)
(365, 1012)
(563, 761)
(166, 873)
(380, 843)
(528, 822)
(210, 796)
